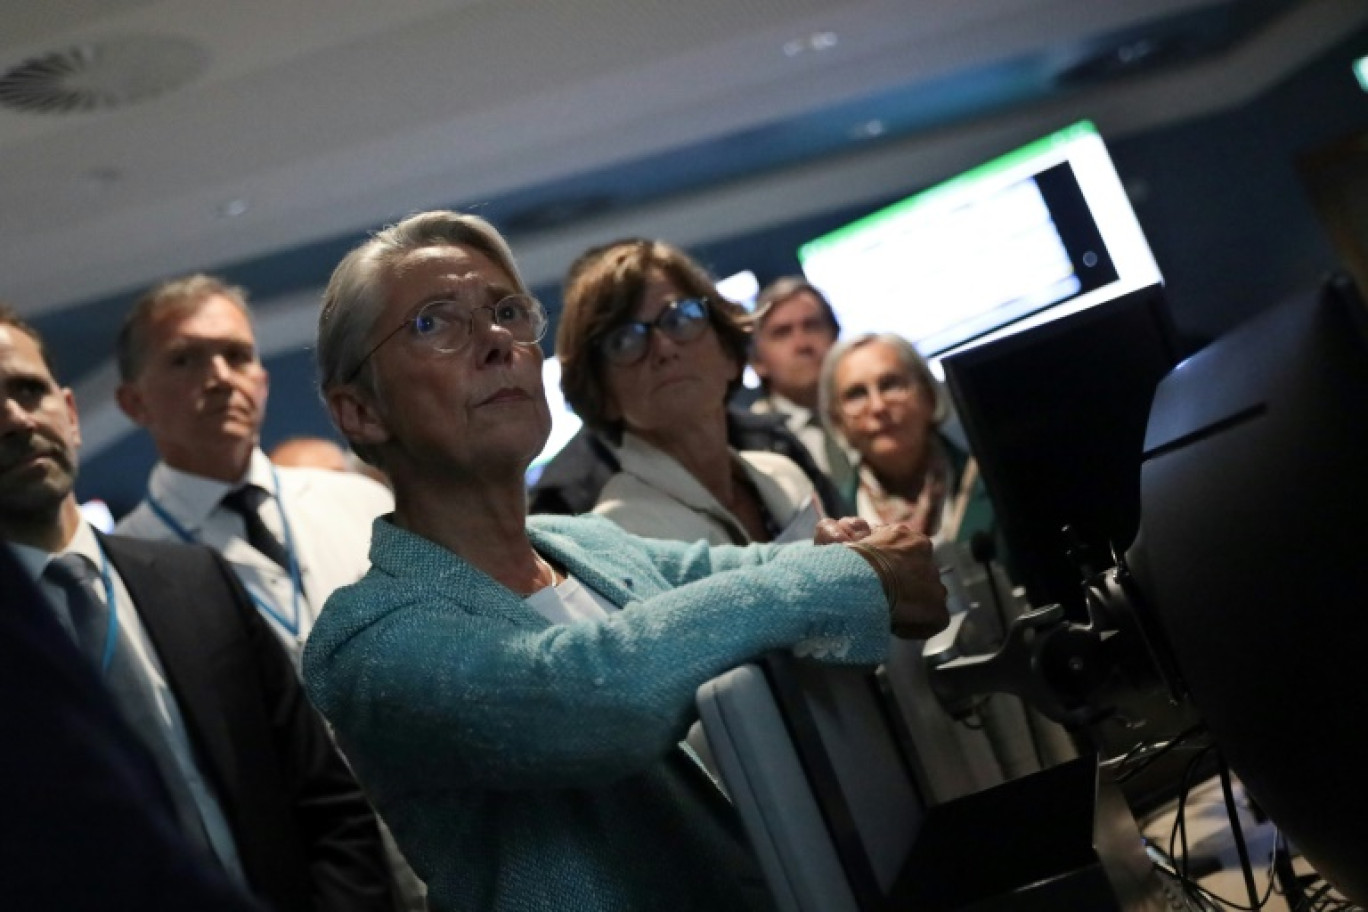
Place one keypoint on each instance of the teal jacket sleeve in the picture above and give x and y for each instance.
(452, 678)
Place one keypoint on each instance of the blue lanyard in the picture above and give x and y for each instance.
(112, 631)
(296, 580)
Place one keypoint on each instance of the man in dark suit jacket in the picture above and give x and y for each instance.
(254, 779)
(105, 835)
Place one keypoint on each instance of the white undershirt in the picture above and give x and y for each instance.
(569, 602)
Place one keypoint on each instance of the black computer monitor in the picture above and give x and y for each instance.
(1253, 559)
(1055, 416)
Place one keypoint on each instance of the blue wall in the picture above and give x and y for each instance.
(1219, 199)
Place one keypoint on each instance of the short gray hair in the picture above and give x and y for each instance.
(356, 293)
(916, 366)
(181, 296)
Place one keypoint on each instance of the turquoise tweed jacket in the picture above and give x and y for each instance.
(529, 766)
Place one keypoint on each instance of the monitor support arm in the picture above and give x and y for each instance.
(1038, 646)
(1072, 673)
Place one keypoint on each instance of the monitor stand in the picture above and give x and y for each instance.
(1062, 838)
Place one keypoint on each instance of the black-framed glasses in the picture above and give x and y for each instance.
(681, 321)
(446, 327)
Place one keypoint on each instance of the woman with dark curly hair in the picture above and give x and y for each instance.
(650, 352)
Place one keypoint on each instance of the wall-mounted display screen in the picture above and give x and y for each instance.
(1031, 235)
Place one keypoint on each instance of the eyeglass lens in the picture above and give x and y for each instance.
(681, 321)
(447, 326)
(892, 388)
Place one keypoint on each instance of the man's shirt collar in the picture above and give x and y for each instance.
(192, 498)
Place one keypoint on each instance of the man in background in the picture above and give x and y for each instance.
(191, 376)
(794, 329)
(247, 768)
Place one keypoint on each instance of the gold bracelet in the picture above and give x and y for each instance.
(883, 568)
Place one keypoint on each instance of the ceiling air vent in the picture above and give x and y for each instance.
(101, 75)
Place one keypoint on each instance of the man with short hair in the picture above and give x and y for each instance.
(794, 329)
(251, 776)
(192, 377)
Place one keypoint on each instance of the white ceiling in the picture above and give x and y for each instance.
(331, 116)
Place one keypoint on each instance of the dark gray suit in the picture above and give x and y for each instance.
(305, 835)
(87, 824)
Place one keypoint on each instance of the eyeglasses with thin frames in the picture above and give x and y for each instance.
(892, 388)
(681, 321)
(446, 327)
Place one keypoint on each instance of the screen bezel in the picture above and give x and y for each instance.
(1092, 216)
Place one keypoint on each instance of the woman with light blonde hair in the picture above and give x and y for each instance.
(880, 396)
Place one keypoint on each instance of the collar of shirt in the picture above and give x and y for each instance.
(35, 560)
(192, 498)
(658, 469)
(662, 471)
(795, 415)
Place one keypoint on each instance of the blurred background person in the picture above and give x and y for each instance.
(878, 394)
(192, 377)
(650, 352)
(793, 329)
(305, 452)
(513, 691)
(310, 453)
(574, 478)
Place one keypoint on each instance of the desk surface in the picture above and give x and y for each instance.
(1211, 842)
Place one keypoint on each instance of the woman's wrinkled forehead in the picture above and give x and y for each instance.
(455, 270)
(453, 259)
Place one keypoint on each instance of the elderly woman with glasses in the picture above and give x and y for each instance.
(512, 691)
(877, 392)
(650, 352)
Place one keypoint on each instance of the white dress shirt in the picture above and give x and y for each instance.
(165, 712)
(323, 518)
(568, 601)
(829, 452)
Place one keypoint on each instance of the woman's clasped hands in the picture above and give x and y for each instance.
(905, 562)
